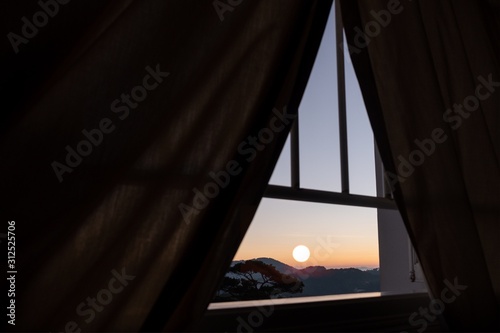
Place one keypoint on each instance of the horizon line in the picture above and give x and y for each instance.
(367, 267)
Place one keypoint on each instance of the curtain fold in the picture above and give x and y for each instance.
(138, 140)
(429, 72)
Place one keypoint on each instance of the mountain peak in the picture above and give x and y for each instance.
(280, 266)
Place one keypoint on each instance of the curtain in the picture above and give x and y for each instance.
(137, 140)
(429, 73)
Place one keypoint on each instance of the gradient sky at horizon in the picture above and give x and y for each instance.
(337, 236)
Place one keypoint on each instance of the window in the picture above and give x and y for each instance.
(327, 194)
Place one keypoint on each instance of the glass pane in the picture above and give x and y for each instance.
(282, 173)
(361, 147)
(342, 243)
(318, 120)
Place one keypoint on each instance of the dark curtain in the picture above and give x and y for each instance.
(137, 139)
(430, 76)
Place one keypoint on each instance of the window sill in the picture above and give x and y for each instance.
(336, 313)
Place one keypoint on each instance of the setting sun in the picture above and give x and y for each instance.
(301, 253)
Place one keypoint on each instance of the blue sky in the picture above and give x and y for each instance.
(338, 236)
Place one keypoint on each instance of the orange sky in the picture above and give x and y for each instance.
(337, 236)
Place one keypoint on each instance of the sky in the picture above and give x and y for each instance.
(337, 236)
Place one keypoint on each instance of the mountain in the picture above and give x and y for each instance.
(283, 268)
(319, 280)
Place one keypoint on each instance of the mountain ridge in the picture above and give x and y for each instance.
(319, 280)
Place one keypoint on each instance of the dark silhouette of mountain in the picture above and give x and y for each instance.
(319, 280)
(283, 268)
(254, 279)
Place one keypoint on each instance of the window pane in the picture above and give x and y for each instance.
(282, 173)
(318, 120)
(342, 243)
(361, 146)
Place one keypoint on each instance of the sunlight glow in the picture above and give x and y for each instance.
(301, 253)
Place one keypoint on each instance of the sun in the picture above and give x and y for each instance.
(301, 253)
